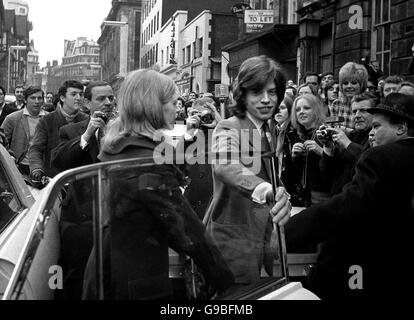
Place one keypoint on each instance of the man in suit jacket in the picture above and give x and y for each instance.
(47, 131)
(78, 146)
(342, 151)
(5, 109)
(240, 222)
(20, 126)
(367, 228)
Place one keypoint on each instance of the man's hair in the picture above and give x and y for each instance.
(91, 85)
(310, 74)
(366, 96)
(18, 86)
(327, 73)
(254, 74)
(3, 90)
(50, 92)
(295, 91)
(312, 88)
(69, 84)
(32, 89)
(394, 79)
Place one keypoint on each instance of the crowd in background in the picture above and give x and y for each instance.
(319, 130)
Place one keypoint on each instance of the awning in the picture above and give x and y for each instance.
(278, 31)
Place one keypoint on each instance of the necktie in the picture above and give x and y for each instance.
(266, 138)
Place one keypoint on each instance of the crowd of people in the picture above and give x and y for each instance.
(342, 147)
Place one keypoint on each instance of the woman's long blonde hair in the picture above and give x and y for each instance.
(140, 103)
(318, 110)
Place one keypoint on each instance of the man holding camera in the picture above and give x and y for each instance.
(368, 226)
(79, 146)
(79, 142)
(342, 151)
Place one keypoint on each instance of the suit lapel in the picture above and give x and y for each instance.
(25, 126)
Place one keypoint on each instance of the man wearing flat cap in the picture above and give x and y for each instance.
(368, 227)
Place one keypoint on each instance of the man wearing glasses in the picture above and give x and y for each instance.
(46, 136)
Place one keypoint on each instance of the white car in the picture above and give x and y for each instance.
(30, 240)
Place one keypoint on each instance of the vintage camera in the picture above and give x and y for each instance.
(105, 116)
(331, 122)
(206, 118)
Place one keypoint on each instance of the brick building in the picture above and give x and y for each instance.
(14, 31)
(277, 40)
(349, 30)
(120, 45)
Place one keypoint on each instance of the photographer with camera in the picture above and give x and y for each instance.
(200, 190)
(79, 146)
(341, 150)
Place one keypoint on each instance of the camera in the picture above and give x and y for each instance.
(330, 122)
(105, 116)
(206, 118)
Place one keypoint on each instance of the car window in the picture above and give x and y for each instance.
(136, 233)
(9, 202)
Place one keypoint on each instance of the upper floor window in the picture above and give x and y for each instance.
(382, 34)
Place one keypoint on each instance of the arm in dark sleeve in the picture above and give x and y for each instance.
(352, 206)
(38, 147)
(352, 153)
(68, 154)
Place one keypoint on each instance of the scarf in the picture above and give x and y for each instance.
(68, 117)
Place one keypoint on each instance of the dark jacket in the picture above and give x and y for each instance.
(369, 224)
(341, 167)
(148, 215)
(77, 207)
(307, 166)
(46, 138)
(7, 109)
(69, 154)
(289, 175)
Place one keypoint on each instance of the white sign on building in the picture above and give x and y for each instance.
(258, 16)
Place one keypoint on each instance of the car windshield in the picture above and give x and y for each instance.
(140, 226)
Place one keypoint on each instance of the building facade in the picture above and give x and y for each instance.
(120, 44)
(81, 60)
(184, 38)
(379, 31)
(14, 42)
(278, 40)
